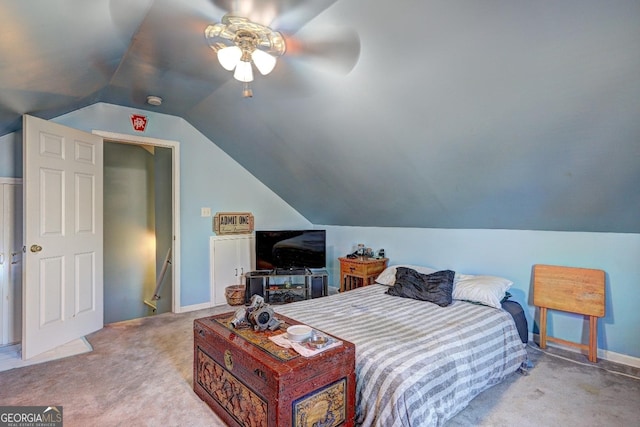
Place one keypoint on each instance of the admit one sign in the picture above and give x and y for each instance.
(233, 223)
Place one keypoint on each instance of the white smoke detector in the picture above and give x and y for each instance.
(154, 100)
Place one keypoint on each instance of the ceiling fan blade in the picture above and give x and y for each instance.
(336, 51)
(293, 19)
(299, 70)
(288, 80)
(171, 36)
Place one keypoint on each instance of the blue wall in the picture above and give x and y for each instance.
(11, 155)
(211, 178)
(512, 254)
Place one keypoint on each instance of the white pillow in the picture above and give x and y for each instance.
(388, 276)
(487, 290)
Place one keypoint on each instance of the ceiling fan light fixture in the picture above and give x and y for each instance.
(264, 62)
(243, 72)
(239, 43)
(229, 57)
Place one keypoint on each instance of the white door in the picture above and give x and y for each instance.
(63, 266)
(225, 268)
(231, 258)
(3, 275)
(10, 262)
(246, 257)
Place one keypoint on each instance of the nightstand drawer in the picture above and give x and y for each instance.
(356, 269)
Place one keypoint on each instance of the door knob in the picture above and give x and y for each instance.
(36, 248)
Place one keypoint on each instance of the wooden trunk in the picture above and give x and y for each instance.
(250, 381)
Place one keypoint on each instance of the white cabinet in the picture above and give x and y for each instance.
(10, 261)
(231, 258)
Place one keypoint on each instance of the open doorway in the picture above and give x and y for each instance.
(137, 231)
(141, 253)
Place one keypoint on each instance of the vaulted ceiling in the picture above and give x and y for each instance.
(444, 114)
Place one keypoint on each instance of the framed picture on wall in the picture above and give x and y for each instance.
(233, 223)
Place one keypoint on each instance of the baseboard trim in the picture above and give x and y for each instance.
(610, 356)
(623, 359)
(195, 307)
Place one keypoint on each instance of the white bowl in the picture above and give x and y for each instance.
(299, 333)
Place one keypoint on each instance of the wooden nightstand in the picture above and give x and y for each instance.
(361, 271)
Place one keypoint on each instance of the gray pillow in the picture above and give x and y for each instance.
(435, 287)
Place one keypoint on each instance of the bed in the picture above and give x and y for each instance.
(417, 363)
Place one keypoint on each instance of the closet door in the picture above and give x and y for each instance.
(3, 275)
(10, 261)
(231, 258)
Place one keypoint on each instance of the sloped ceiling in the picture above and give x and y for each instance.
(457, 114)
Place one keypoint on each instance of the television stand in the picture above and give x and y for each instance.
(283, 285)
(290, 271)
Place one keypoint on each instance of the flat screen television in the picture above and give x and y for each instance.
(290, 249)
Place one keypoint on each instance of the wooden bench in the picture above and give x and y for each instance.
(573, 290)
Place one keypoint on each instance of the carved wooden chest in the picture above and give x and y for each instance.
(250, 381)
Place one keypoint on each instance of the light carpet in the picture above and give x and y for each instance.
(11, 356)
(140, 374)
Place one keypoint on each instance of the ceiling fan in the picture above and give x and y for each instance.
(243, 40)
(239, 43)
(170, 42)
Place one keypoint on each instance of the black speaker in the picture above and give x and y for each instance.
(253, 286)
(319, 286)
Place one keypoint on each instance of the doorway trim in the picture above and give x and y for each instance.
(176, 306)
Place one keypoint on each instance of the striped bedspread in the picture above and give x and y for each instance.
(417, 364)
